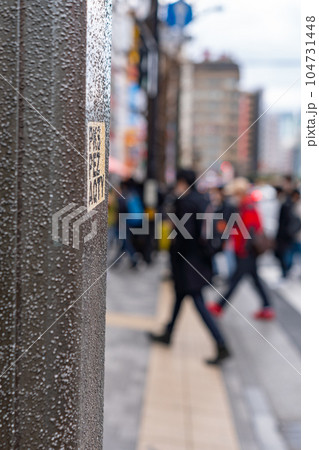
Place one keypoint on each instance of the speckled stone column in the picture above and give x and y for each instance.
(54, 80)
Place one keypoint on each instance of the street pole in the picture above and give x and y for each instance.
(150, 34)
(55, 93)
(153, 72)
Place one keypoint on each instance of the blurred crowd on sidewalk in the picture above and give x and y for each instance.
(233, 225)
(128, 197)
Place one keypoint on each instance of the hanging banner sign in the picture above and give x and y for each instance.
(95, 164)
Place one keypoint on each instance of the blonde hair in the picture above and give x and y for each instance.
(237, 186)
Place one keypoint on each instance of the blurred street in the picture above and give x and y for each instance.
(166, 398)
(205, 113)
(150, 182)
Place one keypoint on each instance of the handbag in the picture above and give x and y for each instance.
(260, 243)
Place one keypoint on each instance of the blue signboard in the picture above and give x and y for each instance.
(179, 14)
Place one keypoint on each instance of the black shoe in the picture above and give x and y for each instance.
(222, 354)
(164, 338)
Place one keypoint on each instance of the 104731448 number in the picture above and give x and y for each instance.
(310, 50)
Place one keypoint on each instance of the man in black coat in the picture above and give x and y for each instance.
(191, 265)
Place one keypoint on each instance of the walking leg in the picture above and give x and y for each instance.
(235, 279)
(175, 312)
(260, 288)
(207, 318)
(165, 338)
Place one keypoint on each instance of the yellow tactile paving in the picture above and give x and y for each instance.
(130, 321)
(185, 402)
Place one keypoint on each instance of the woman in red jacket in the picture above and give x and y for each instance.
(245, 255)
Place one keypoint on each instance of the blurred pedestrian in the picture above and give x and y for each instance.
(288, 225)
(129, 203)
(245, 250)
(186, 272)
(293, 232)
(219, 204)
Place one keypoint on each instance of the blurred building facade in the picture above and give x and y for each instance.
(128, 98)
(133, 104)
(249, 132)
(209, 110)
(200, 114)
(280, 144)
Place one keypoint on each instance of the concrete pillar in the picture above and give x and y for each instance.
(55, 96)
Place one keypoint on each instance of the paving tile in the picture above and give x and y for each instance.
(163, 429)
(152, 444)
(124, 388)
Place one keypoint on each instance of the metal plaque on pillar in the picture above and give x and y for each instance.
(55, 63)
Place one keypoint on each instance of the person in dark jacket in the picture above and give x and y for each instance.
(284, 239)
(190, 265)
(288, 226)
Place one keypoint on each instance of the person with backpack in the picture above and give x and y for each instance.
(191, 266)
(246, 250)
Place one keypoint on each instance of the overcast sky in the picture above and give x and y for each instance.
(262, 36)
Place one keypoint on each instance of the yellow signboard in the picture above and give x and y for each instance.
(95, 164)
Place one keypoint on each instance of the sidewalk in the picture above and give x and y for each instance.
(186, 405)
(289, 289)
(261, 378)
(159, 398)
